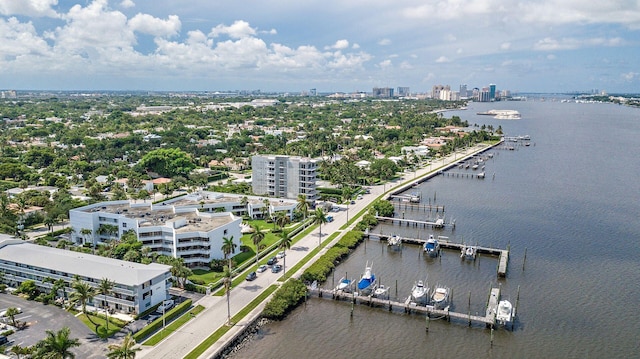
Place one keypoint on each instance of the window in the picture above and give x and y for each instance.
(124, 225)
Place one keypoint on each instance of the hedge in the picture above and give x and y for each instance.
(319, 270)
(288, 296)
(157, 324)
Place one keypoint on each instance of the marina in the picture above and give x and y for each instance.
(410, 307)
(502, 254)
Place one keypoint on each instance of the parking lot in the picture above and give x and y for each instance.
(40, 318)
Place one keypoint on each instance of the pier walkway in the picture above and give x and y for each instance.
(489, 320)
(503, 254)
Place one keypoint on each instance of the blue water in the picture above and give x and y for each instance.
(571, 201)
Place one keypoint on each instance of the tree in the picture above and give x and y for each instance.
(228, 247)
(285, 243)
(82, 294)
(11, 313)
(125, 350)
(319, 217)
(303, 205)
(265, 208)
(227, 274)
(105, 287)
(20, 350)
(256, 237)
(168, 162)
(282, 219)
(86, 235)
(178, 269)
(56, 345)
(244, 201)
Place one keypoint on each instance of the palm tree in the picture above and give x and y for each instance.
(303, 205)
(83, 293)
(124, 350)
(285, 243)
(57, 345)
(265, 208)
(244, 201)
(282, 219)
(105, 287)
(20, 350)
(319, 217)
(256, 237)
(60, 284)
(227, 288)
(86, 234)
(49, 221)
(228, 247)
(11, 313)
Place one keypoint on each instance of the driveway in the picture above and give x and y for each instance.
(41, 318)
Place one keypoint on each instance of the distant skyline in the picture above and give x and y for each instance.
(347, 46)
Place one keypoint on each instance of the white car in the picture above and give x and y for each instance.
(280, 254)
(262, 268)
(166, 305)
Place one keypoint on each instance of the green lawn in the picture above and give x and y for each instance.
(173, 326)
(100, 328)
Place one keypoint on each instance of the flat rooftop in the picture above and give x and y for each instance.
(83, 264)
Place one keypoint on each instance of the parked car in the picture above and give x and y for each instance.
(276, 268)
(272, 261)
(329, 218)
(280, 254)
(262, 268)
(165, 305)
(3, 340)
(251, 276)
(359, 196)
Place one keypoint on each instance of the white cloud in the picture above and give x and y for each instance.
(631, 76)
(384, 42)
(339, 45)
(550, 44)
(34, 8)
(127, 4)
(148, 24)
(355, 46)
(442, 59)
(385, 64)
(405, 65)
(505, 46)
(551, 57)
(239, 29)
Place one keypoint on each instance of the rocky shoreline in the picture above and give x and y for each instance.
(242, 339)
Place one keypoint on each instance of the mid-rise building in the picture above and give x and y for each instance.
(137, 287)
(284, 176)
(186, 231)
(403, 91)
(382, 92)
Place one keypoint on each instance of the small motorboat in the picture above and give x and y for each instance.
(432, 247)
(468, 252)
(440, 297)
(419, 293)
(505, 312)
(367, 281)
(394, 240)
(344, 284)
(380, 291)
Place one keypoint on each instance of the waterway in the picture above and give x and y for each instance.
(571, 200)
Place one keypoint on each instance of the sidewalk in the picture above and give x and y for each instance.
(181, 342)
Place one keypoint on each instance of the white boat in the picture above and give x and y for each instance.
(469, 252)
(394, 240)
(380, 291)
(505, 312)
(432, 247)
(344, 284)
(419, 293)
(415, 198)
(475, 167)
(440, 297)
(367, 281)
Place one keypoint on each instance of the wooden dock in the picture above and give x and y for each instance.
(438, 223)
(503, 254)
(489, 320)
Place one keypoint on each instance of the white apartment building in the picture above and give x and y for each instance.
(137, 287)
(181, 230)
(284, 176)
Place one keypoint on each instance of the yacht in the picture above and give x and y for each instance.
(505, 312)
(419, 293)
(432, 247)
(367, 281)
(440, 297)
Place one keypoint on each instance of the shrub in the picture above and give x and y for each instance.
(290, 294)
(157, 324)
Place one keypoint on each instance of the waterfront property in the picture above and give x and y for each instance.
(137, 287)
(284, 176)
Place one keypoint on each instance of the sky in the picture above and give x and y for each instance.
(329, 45)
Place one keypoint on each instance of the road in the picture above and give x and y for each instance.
(181, 342)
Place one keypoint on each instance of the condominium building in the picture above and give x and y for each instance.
(183, 230)
(137, 287)
(284, 176)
